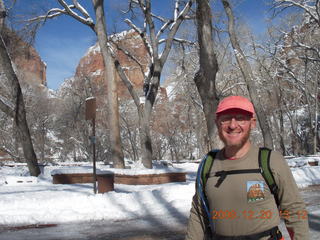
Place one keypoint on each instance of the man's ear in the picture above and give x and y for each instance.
(253, 122)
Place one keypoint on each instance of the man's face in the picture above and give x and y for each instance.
(234, 127)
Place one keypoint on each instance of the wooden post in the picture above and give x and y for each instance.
(91, 115)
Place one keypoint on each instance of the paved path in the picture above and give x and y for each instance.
(138, 229)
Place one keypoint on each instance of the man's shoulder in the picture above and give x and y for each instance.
(276, 158)
(277, 161)
(274, 154)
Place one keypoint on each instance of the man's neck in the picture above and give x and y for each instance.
(235, 152)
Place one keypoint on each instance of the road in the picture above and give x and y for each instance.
(139, 229)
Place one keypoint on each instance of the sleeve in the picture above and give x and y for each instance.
(292, 207)
(196, 225)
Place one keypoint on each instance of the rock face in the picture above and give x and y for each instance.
(91, 66)
(31, 69)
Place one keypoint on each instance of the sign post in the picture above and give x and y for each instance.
(91, 115)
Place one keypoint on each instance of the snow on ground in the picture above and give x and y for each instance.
(30, 200)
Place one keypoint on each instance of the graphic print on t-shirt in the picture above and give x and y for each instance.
(255, 191)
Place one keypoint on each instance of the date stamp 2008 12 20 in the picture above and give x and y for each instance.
(262, 214)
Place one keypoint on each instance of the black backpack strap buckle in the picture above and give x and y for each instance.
(222, 175)
(276, 234)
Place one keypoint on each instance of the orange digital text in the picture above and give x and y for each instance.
(262, 214)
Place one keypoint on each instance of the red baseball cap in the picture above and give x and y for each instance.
(235, 102)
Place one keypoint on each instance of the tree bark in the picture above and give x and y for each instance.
(19, 113)
(145, 139)
(205, 78)
(248, 77)
(144, 129)
(147, 152)
(114, 119)
(278, 94)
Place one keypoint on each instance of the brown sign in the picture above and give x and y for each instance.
(90, 108)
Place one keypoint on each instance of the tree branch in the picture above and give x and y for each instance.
(142, 35)
(173, 30)
(52, 13)
(129, 55)
(311, 10)
(87, 20)
(124, 78)
(180, 40)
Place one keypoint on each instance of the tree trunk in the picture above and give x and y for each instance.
(282, 145)
(248, 77)
(145, 141)
(205, 78)
(315, 134)
(100, 29)
(20, 111)
(147, 152)
(276, 92)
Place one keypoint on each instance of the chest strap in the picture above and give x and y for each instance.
(223, 174)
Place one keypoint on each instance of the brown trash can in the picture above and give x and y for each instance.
(105, 181)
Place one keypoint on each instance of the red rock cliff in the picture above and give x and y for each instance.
(31, 69)
(91, 65)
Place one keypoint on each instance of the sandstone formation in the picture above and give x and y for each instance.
(31, 69)
(91, 66)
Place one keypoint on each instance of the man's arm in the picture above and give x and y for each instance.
(292, 207)
(196, 223)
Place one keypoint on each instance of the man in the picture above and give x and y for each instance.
(241, 205)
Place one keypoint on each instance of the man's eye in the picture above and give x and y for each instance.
(240, 118)
(226, 119)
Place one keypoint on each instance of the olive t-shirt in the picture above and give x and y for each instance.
(243, 204)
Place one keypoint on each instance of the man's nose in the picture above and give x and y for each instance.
(233, 123)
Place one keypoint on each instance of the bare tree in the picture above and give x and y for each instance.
(39, 117)
(129, 130)
(78, 12)
(153, 41)
(304, 41)
(275, 92)
(205, 78)
(248, 76)
(18, 112)
(310, 7)
(100, 30)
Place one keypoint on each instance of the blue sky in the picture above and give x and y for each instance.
(61, 42)
(62, 47)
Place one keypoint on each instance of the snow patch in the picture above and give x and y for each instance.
(45, 202)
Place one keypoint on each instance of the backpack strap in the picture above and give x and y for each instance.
(264, 164)
(223, 174)
(201, 180)
(207, 166)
